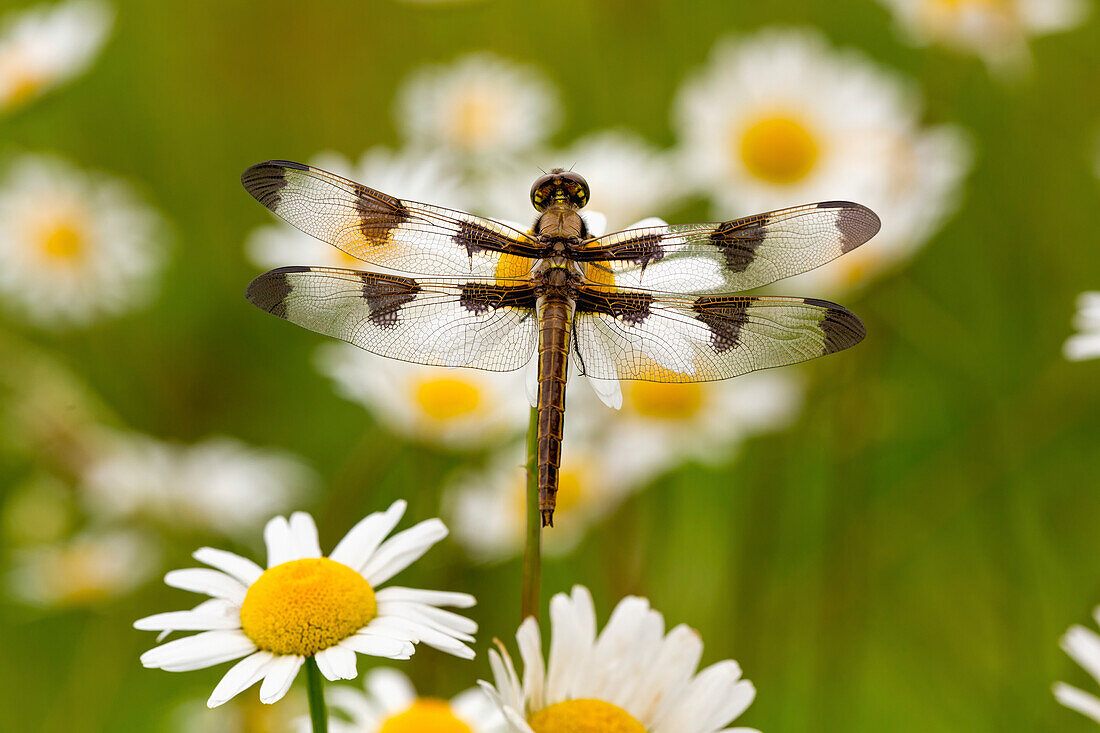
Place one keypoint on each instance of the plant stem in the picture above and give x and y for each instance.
(318, 714)
(532, 554)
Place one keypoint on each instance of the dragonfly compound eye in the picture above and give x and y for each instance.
(561, 187)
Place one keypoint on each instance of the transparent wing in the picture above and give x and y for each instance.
(663, 337)
(442, 322)
(729, 256)
(387, 231)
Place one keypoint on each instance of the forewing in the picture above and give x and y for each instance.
(663, 337)
(732, 255)
(385, 230)
(443, 322)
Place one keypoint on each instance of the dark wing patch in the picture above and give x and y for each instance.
(630, 307)
(384, 230)
(441, 322)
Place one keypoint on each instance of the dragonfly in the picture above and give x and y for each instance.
(656, 302)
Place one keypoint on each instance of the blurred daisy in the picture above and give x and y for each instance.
(631, 677)
(781, 118)
(630, 179)
(452, 408)
(997, 31)
(487, 508)
(1084, 646)
(307, 605)
(85, 570)
(1086, 344)
(219, 484)
(430, 177)
(390, 705)
(74, 246)
(478, 105)
(47, 45)
(243, 715)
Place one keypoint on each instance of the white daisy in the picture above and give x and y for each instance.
(243, 715)
(307, 605)
(390, 704)
(1084, 646)
(478, 105)
(430, 177)
(47, 45)
(219, 484)
(781, 118)
(1086, 344)
(74, 246)
(631, 678)
(453, 408)
(86, 570)
(487, 508)
(996, 31)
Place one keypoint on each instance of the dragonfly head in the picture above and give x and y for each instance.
(560, 187)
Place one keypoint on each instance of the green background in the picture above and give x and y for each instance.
(904, 558)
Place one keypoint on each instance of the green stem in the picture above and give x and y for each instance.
(532, 554)
(318, 715)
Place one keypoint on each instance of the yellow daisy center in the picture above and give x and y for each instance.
(304, 606)
(426, 715)
(662, 401)
(584, 716)
(445, 398)
(473, 119)
(62, 242)
(777, 149)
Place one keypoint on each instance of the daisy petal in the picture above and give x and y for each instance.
(188, 621)
(429, 597)
(280, 544)
(280, 675)
(303, 534)
(378, 646)
(1078, 700)
(198, 651)
(229, 563)
(240, 677)
(391, 687)
(211, 582)
(364, 538)
(339, 662)
(402, 550)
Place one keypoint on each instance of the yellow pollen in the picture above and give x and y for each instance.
(304, 606)
(426, 715)
(62, 242)
(446, 398)
(474, 119)
(778, 149)
(584, 716)
(663, 401)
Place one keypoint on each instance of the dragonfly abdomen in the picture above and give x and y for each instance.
(555, 314)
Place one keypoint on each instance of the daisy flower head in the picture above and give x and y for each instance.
(996, 31)
(1086, 344)
(86, 570)
(218, 484)
(1083, 645)
(781, 118)
(74, 246)
(427, 176)
(478, 105)
(629, 678)
(308, 605)
(390, 704)
(46, 45)
(458, 409)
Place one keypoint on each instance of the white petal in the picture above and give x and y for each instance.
(229, 563)
(364, 538)
(198, 651)
(1078, 700)
(402, 550)
(440, 640)
(211, 582)
(394, 628)
(280, 675)
(534, 669)
(391, 689)
(378, 646)
(596, 222)
(609, 391)
(240, 677)
(188, 621)
(446, 621)
(303, 533)
(531, 382)
(1084, 646)
(280, 545)
(337, 663)
(429, 597)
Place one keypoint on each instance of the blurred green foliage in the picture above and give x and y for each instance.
(904, 558)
